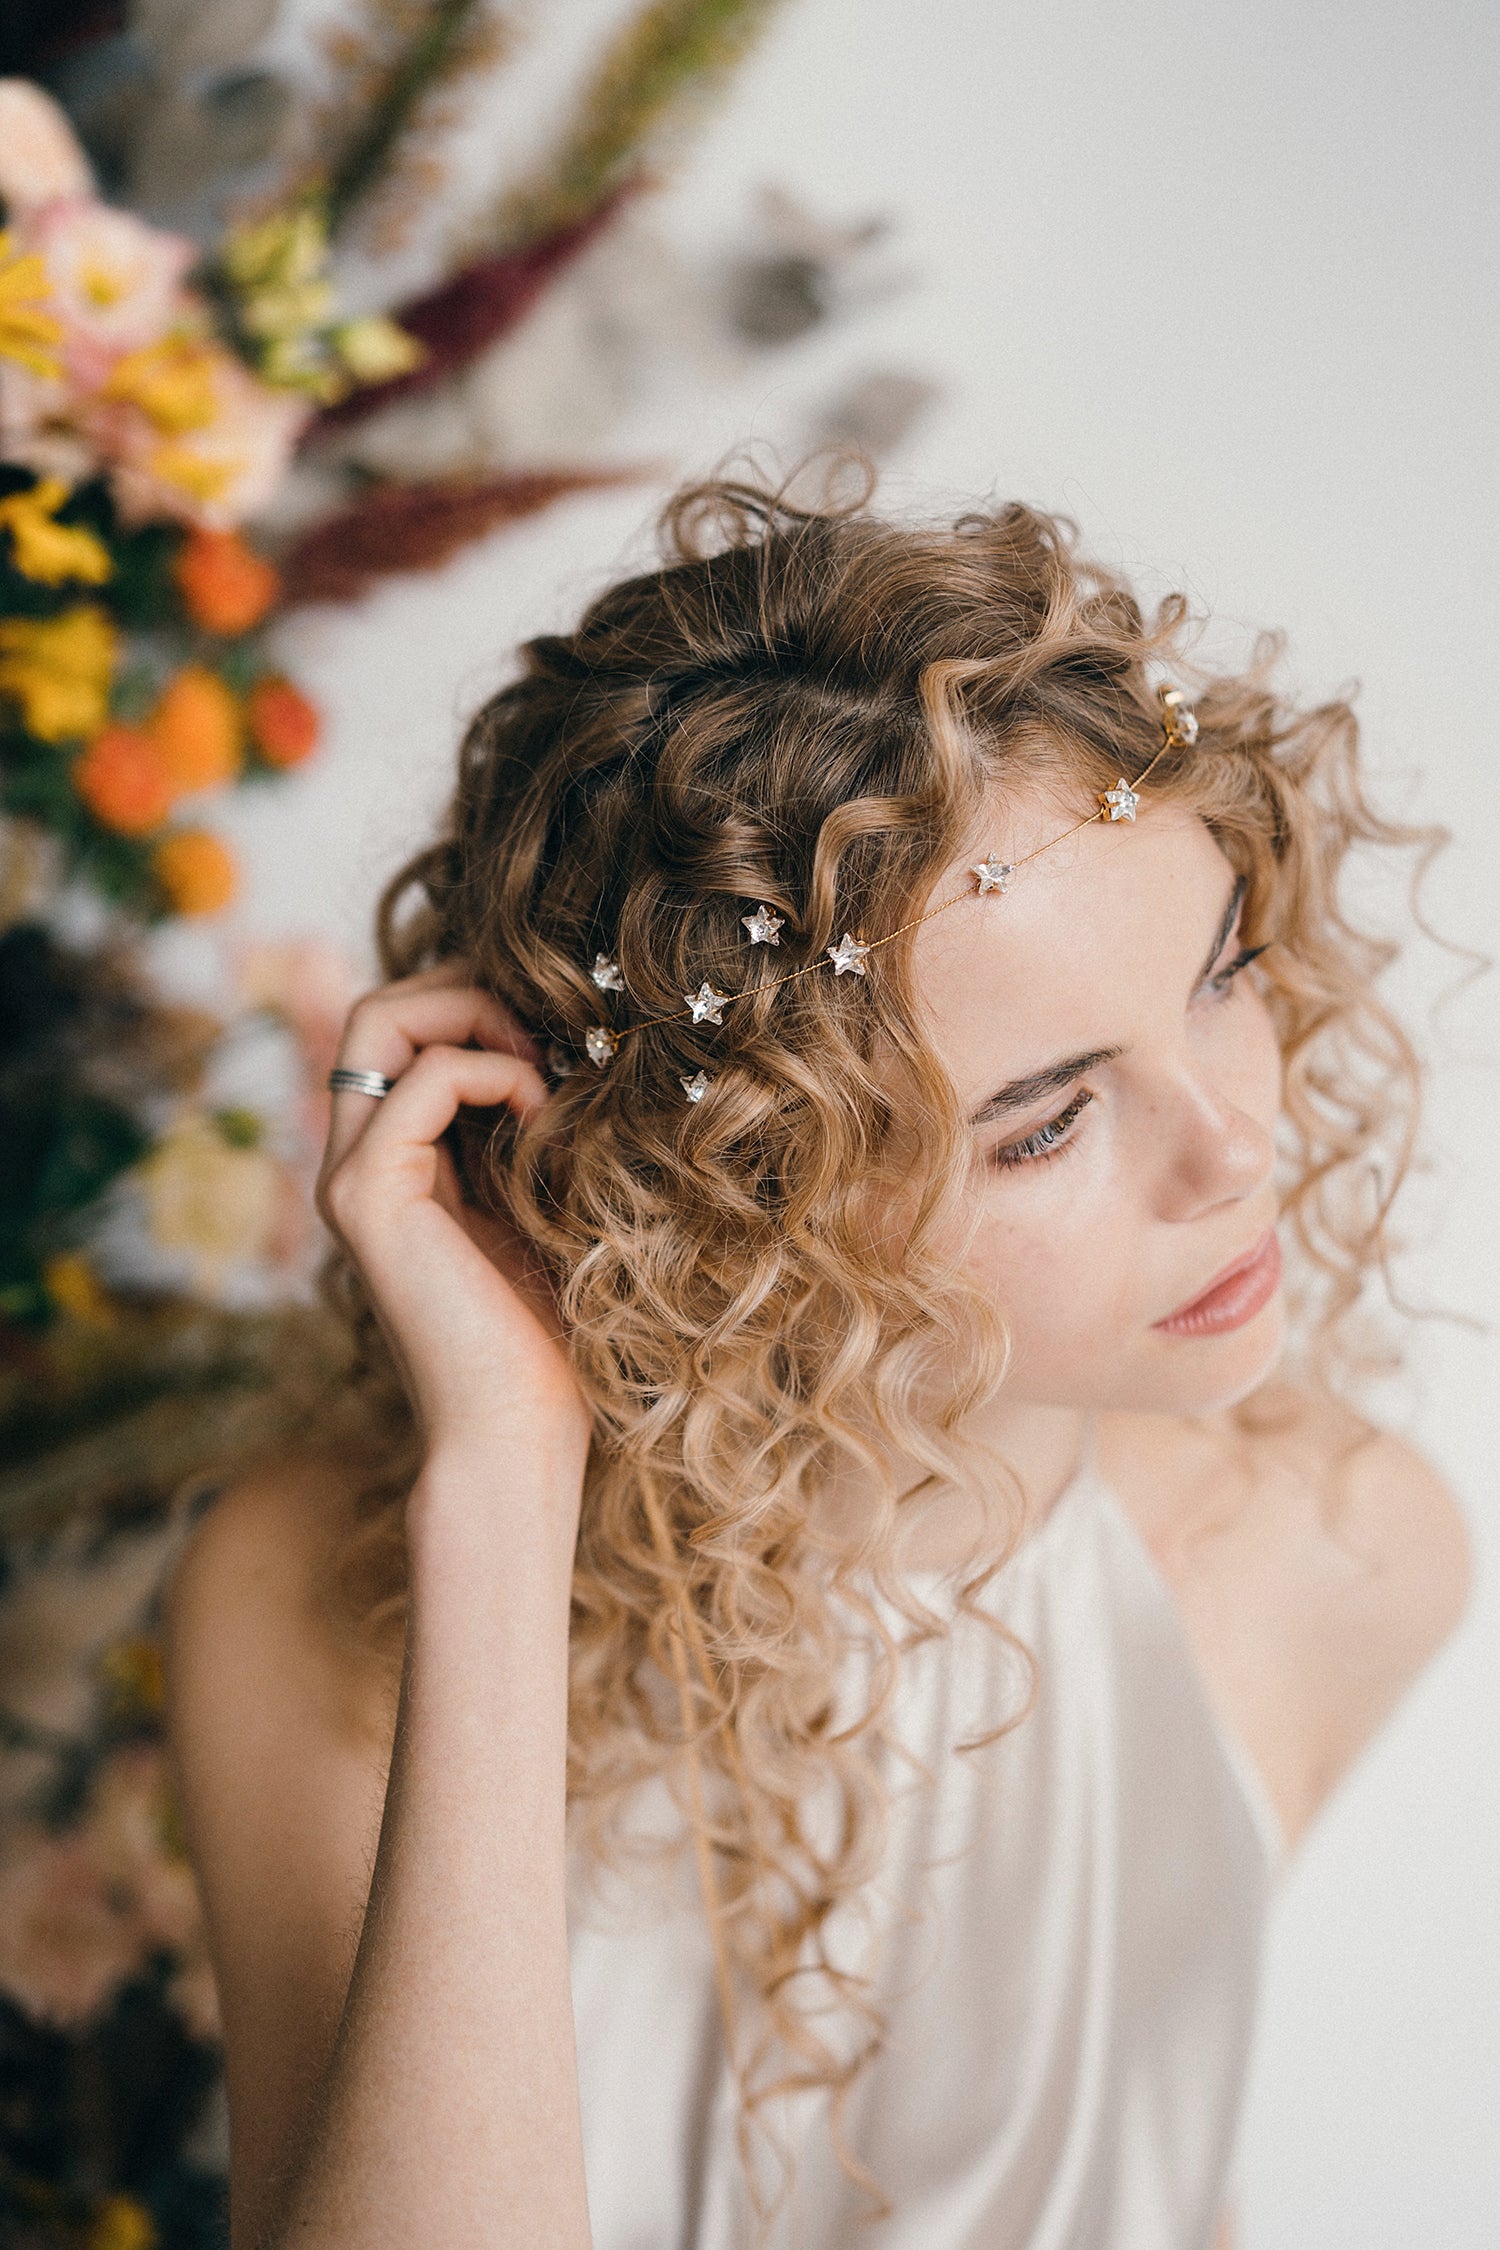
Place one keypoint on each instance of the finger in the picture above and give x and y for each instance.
(425, 1100)
(388, 1030)
(384, 1030)
(518, 1040)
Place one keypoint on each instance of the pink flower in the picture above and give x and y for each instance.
(128, 1829)
(116, 283)
(83, 1911)
(216, 475)
(312, 987)
(307, 982)
(40, 159)
(67, 1942)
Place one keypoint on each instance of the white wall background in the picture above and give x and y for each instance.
(1219, 280)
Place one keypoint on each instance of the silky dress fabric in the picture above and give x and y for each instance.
(1066, 1938)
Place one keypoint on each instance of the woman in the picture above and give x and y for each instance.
(783, 1701)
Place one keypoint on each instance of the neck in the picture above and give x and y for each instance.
(1041, 1444)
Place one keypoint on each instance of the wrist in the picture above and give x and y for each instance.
(478, 1487)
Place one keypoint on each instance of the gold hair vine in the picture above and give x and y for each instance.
(847, 957)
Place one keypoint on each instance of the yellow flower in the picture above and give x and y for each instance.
(289, 311)
(279, 269)
(47, 551)
(375, 349)
(26, 331)
(172, 382)
(220, 474)
(304, 363)
(120, 2223)
(194, 474)
(286, 249)
(72, 1284)
(59, 669)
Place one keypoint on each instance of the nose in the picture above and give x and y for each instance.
(1212, 1152)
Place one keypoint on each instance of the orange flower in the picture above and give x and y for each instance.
(226, 586)
(283, 724)
(122, 779)
(196, 728)
(196, 871)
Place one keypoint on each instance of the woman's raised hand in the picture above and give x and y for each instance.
(471, 1321)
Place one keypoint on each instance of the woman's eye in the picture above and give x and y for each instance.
(1048, 1140)
(1222, 979)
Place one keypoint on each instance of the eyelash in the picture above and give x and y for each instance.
(1055, 1137)
(1047, 1141)
(1222, 979)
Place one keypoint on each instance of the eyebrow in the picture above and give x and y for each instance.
(1022, 1092)
(1056, 1077)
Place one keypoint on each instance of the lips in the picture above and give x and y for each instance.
(1235, 1295)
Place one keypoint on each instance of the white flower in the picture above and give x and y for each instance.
(40, 159)
(208, 1201)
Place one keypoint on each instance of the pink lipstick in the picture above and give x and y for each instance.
(1233, 1296)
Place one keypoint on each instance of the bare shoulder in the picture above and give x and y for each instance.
(271, 1704)
(255, 1581)
(1319, 1565)
(1393, 1538)
(280, 1740)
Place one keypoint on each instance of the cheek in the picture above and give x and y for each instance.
(1271, 1084)
(1057, 1256)
(1244, 1057)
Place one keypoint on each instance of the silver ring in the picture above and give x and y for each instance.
(370, 1082)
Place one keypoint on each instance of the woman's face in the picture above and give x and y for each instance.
(1125, 1082)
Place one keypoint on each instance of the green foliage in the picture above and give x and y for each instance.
(140, 596)
(365, 159)
(665, 61)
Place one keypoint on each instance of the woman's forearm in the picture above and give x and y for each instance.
(449, 2113)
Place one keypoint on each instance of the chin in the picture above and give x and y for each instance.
(1203, 1374)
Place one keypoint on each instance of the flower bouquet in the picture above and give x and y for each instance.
(195, 436)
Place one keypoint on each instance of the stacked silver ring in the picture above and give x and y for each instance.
(371, 1082)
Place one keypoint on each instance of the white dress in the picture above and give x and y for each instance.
(1067, 1931)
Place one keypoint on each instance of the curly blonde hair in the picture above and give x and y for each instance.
(809, 707)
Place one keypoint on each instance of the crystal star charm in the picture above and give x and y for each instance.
(848, 954)
(763, 926)
(707, 1005)
(994, 875)
(1179, 717)
(606, 974)
(599, 1043)
(1120, 802)
(696, 1087)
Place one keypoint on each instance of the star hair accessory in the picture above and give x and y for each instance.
(765, 927)
(1179, 724)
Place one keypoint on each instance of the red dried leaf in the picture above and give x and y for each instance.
(472, 310)
(401, 527)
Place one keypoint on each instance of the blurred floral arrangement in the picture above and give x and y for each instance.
(197, 436)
